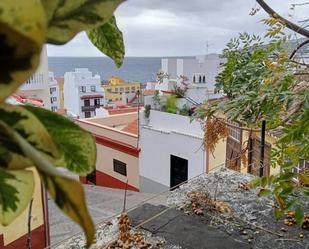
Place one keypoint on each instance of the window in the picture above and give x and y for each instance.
(87, 114)
(194, 79)
(127, 89)
(200, 79)
(121, 90)
(54, 108)
(92, 88)
(86, 102)
(82, 89)
(97, 102)
(120, 167)
(116, 90)
(204, 79)
(52, 89)
(133, 89)
(53, 99)
(234, 132)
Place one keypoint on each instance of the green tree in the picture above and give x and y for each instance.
(33, 137)
(267, 82)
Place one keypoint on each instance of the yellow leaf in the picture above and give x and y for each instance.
(22, 35)
(69, 196)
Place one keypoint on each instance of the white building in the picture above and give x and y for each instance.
(83, 93)
(171, 151)
(37, 86)
(54, 93)
(202, 69)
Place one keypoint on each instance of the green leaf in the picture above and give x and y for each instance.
(70, 198)
(22, 35)
(68, 193)
(255, 182)
(31, 129)
(66, 18)
(109, 40)
(77, 146)
(299, 216)
(264, 192)
(16, 190)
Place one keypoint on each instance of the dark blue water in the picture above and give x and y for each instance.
(133, 69)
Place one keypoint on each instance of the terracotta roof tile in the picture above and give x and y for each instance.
(132, 128)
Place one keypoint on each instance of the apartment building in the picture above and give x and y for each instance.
(37, 86)
(116, 87)
(117, 150)
(54, 93)
(82, 93)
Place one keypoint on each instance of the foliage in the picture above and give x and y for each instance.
(156, 100)
(180, 91)
(36, 137)
(171, 104)
(147, 111)
(261, 83)
(184, 110)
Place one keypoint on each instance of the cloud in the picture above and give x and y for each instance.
(181, 27)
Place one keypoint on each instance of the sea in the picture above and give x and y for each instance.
(141, 69)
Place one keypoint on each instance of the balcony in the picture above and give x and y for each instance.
(90, 108)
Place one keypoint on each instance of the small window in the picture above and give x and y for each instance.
(120, 167)
(97, 102)
(234, 132)
(194, 79)
(86, 102)
(92, 88)
(200, 79)
(116, 90)
(82, 89)
(204, 79)
(121, 90)
(54, 108)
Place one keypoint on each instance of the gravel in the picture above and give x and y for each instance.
(252, 218)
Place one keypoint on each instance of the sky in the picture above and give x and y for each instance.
(158, 28)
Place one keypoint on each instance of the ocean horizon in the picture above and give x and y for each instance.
(141, 69)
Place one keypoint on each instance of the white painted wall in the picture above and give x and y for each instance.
(165, 135)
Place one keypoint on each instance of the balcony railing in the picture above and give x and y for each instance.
(90, 108)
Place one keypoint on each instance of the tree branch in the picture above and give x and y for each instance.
(299, 47)
(290, 25)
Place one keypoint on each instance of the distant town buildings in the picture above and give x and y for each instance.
(116, 87)
(83, 93)
(36, 87)
(54, 93)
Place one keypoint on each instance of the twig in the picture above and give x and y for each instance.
(29, 225)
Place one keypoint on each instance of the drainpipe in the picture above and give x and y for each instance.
(262, 147)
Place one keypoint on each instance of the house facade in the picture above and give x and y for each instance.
(116, 87)
(83, 93)
(117, 150)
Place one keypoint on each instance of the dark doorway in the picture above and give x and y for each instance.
(87, 114)
(91, 178)
(86, 102)
(179, 170)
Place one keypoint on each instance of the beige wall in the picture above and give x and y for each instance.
(218, 157)
(105, 156)
(19, 227)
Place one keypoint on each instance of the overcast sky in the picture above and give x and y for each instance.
(181, 27)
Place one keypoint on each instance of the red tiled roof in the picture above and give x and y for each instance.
(28, 100)
(91, 96)
(149, 92)
(121, 110)
(132, 128)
